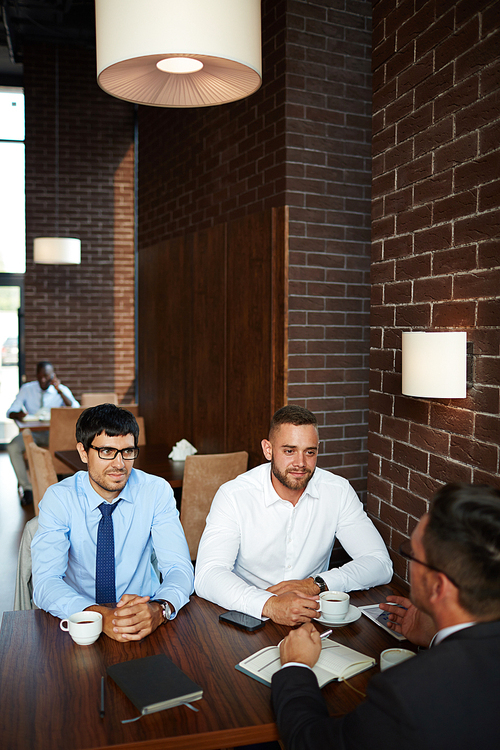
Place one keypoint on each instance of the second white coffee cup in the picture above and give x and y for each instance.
(334, 605)
(392, 656)
(83, 627)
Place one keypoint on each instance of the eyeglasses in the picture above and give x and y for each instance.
(406, 551)
(108, 454)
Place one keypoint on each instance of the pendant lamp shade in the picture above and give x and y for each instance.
(55, 250)
(179, 53)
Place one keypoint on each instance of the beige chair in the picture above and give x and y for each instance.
(142, 431)
(62, 431)
(203, 475)
(44, 474)
(94, 399)
(23, 596)
(27, 439)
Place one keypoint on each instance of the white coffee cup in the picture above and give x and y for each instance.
(392, 656)
(83, 627)
(334, 605)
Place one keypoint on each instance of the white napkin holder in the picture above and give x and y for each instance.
(181, 450)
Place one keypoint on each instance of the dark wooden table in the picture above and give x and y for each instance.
(152, 458)
(50, 687)
(34, 425)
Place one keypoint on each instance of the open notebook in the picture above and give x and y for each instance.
(336, 662)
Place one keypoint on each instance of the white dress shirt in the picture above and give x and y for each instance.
(253, 539)
(31, 398)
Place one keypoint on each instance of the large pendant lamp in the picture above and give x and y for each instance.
(179, 53)
(57, 250)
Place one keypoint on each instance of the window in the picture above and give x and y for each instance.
(12, 218)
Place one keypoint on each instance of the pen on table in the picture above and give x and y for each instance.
(393, 604)
(101, 710)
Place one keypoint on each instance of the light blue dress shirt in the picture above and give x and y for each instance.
(64, 548)
(29, 398)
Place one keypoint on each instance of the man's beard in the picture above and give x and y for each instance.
(290, 482)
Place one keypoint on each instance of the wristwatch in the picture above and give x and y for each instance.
(165, 609)
(322, 585)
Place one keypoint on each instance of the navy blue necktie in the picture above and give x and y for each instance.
(105, 592)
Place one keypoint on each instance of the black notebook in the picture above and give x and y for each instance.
(154, 683)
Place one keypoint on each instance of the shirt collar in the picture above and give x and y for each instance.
(271, 496)
(94, 499)
(50, 389)
(445, 632)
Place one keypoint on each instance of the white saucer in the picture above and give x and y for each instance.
(353, 614)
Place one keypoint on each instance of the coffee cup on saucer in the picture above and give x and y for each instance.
(83, 627)
(334, 605)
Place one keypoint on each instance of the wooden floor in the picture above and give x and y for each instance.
(12, 520)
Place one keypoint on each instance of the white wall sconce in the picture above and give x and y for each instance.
(57, 250)
(179, 53)
(434, 365)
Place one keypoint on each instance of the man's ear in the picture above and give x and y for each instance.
(441, 588)
(267, 449)
(83, 453)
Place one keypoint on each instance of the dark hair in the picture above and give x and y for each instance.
(291, 414)
(43, 364)
(107, 418)
(462, 538)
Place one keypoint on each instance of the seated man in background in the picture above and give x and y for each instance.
(445, 698)
(270, 532)
(43, 393)
(70, 569)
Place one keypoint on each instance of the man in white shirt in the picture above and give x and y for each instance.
(43, 393)
(446, 698)
(269, 534)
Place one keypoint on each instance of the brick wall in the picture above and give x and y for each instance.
(302, 140)
(328, 189)
(80, 317)
(435, 256)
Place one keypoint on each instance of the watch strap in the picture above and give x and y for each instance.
(165, 608)
(321, 583)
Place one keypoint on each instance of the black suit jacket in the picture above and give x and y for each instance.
(446, 698)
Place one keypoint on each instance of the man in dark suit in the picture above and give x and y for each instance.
(446, 698)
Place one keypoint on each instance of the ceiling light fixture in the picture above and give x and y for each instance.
(173, 53)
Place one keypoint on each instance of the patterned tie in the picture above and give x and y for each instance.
(105, 592)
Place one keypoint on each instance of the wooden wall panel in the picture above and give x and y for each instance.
(211, 334)
(249, 331)
(164, 339)
(207, 340)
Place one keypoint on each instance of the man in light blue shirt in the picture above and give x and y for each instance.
(41, 394)
(145, 521)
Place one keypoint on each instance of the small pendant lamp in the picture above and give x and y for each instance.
(179, 53)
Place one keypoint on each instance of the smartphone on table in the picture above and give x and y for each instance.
(246, 622)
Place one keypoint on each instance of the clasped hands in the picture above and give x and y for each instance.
(293, 603)
(132, 619)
